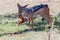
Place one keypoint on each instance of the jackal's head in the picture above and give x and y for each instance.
(21, 8)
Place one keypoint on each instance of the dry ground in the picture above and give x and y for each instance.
(32, 35)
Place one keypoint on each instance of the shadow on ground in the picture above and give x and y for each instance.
(24, 31)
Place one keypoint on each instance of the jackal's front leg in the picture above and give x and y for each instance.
(30, 16)
(32, 21)
(29, 22)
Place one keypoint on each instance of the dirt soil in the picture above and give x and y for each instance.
(32, 35)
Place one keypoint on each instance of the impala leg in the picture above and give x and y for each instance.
(17, 24)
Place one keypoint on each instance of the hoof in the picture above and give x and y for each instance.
(17, 24)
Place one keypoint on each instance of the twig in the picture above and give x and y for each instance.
(52, 27)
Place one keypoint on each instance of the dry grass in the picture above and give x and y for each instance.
(12, 7)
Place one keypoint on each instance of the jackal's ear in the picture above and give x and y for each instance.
(26, 5)
(18, 5)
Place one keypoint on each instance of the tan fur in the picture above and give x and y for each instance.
(44, 12)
